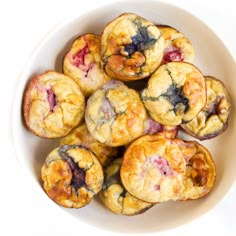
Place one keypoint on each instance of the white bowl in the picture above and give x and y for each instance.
(212, 58)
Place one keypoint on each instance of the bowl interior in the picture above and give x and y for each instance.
(212, 58)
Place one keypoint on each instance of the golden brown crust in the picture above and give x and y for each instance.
(176, 93)
(213, 119)
(81, 136)
(53, 105)
(115, 114)
(132, 47)
(83, 63)
(71, 176)
(200, 171)
(177, 46)
(153, 169)
(115, 197)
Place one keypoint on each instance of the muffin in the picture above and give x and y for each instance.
(71, 176)
(115, 197)
(175, 94)
(53, 105)
(81, 136)
(200, 171)
(132, 47)
(83, 63)
(153, 169)
(177, 46)
(115, 114)
(213, 119)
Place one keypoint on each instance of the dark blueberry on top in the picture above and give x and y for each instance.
(78, 174)
(175, 95)
(140, 41)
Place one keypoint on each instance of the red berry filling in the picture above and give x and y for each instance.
(78, 59)
(173, 54)
(51, 99)
(163, 166)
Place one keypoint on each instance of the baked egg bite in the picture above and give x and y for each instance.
(153, 169)
(53, 105)
(115, 115)
(115, 197)
(213, 119)
(83, 63)
(177, 46)
(200, 170)
(71, 176)
(175, 94)
(132, 47)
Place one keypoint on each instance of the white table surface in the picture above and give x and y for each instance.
(22, 25)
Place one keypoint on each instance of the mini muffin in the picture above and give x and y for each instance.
(115, 197)
(83, 63)
(213, 119)
(53, 105)
(132, 47)
(115, 114)
(81, 136)
(153, 169)
(177, 46)
(175, 94)
(71, 176)
(200, 171)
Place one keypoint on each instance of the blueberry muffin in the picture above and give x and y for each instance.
(175, 94)
(132, 47)
(71, 176)
(115, 114)
(83, 63)
(53, 105)
(153, 169)
(200, 171)
(177, 46)
(213, 119)
(81, 136)
(115, 197)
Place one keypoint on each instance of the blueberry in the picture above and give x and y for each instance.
(140, 42)
(130, 48)
(175, 95)
(78, 174)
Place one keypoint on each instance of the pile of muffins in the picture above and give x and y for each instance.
(118, 142)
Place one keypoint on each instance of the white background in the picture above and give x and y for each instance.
(23, 24)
